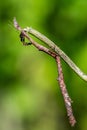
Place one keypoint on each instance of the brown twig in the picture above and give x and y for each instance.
(62, 85)
(65, 94)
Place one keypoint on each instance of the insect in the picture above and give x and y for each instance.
(22, 39)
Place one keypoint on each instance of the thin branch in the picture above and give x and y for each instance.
(65, 94)
(62, 85)
(56, 49)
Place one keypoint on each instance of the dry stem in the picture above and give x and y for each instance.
(65, 94)
(62, 85)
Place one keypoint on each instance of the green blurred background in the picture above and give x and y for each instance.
(30, 98)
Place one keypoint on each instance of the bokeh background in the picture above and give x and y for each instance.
(30, 98)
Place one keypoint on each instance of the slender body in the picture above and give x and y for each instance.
(56, 49)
